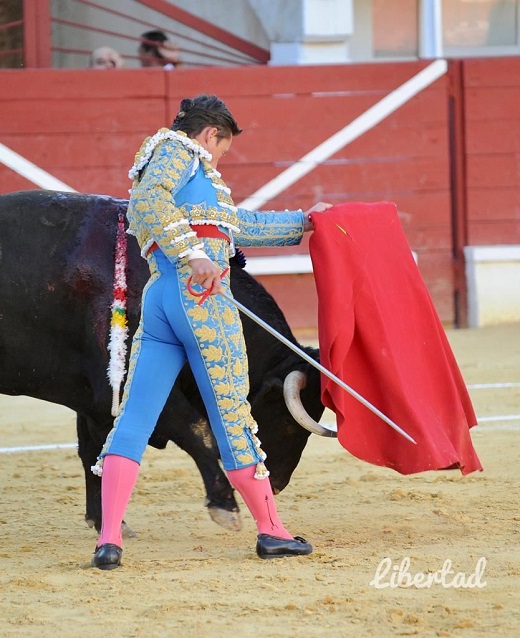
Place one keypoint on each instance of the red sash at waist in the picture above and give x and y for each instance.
(202, 230)
(209, 230)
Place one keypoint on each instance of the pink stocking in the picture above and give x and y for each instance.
(117, 483)
(258, 497)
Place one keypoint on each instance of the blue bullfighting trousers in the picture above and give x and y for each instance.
(174, 329)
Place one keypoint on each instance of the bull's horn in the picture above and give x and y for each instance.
(294, 382)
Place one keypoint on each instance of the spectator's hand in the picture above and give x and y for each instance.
(170, 52)
(320, 207)
(206, 273)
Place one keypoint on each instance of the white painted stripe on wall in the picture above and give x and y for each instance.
(349, 133)
(30, 171)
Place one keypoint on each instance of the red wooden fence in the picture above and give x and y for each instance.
(84, 126)
(492, 107)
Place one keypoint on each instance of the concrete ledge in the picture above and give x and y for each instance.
(493, 282)
(279, 265)
(283, 264)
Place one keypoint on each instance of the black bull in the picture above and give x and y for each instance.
(56, 282)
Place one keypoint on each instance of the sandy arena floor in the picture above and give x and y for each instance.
(185, 576)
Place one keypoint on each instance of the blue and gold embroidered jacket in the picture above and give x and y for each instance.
(175, 189)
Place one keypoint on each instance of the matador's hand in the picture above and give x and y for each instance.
(206, 273)
(320, 207)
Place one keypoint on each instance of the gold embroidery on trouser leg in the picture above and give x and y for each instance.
(218, 329)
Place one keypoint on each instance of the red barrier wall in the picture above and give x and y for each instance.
(84, 126)
(492, 108)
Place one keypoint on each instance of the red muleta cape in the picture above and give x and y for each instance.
(379, 332)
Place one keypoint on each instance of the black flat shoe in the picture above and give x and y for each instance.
(268, 546)
(107, 556)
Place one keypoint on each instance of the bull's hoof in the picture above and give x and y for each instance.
(90, 522)
(226, 519)
(107, 556)
(268, 546)
(127, 531)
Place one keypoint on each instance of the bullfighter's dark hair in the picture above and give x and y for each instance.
(195, 114)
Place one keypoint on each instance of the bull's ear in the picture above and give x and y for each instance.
(270, 411)
(268, 393)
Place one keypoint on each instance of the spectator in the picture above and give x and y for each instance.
(105, 58)
(156, 50)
